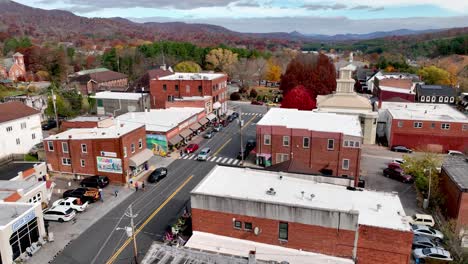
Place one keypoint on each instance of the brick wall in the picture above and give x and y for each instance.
(65, 125)
(317, 156)
(375, 245)
(310, 238)
(439, 140)
(455, 200)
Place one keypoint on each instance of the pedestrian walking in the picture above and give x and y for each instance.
(136, 186)
(116, 192)
(143, 186)
(101, 195)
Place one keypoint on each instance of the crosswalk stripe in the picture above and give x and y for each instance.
(235, 162)
(224, 160)
(191, 157)
(229, 161)
(218, 159)
(211, 158)
(185, 157)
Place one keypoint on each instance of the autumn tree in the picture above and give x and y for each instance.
(316, 73)
(298, 98)
(220, 59)
(273, 73)
(435, 75)
(187, 66)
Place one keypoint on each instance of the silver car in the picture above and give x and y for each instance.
(427, 231)
(432, 253)
(204, 154)
(424, 242)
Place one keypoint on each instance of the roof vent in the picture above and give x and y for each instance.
(271, 191)
(312, 196)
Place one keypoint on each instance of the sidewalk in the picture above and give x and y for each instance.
(64, 233)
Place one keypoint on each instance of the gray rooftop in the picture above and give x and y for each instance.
(10, 170)
(457, 169)
(11, 211)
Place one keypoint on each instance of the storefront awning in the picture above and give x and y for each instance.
(186, 133)
(203, 121)
(140, 158)
(211, 117)
(174, 140)
(217, 105)
(195, 127)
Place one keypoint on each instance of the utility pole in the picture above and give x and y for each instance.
(132, 225)
(54, 98)
(426, 202)
(240, 128)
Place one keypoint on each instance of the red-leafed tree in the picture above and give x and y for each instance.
(298, 98)
(315, 72)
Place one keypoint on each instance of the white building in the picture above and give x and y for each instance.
(20, 127)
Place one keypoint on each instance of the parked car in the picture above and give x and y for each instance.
(224, 122)
(427, 231)
(394, 165)
(432, 253)
(421, 219)
(230, 118)
(424, 242)
(235, 115)
(456, 153)
(49, 124)
(95, 181)
(73, 203)
(85, 194)
(400, 161)
(218, 127)
(398, 174)
(191, 148)
(36, 148)
(204, 154)
(157, 175)
(401, 149)
(255, 102)
(59, 213)
(208, 134)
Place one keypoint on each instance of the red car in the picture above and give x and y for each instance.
(191, 148)
(254, 102)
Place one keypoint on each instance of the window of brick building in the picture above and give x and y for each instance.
(132, 148)
(50, 145)
(445, 126)
(283, 231)
(125, 152)
(331, 144)
(418, 124)
(285, 141)
(66, 161)
(400, 123)
(237, 224)
(200, 89)
(187, 89)
(164, 87)
(248, 226)
(64, 147)
(176, 87)
(465, 127)
(433, 125)
(84, 148)
(345, 164)
(266, 139)
(140, 143)
(82, 162)
(305, 142)
(281, 157)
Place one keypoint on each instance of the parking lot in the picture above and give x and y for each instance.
(374, 160)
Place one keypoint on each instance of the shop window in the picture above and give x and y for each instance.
(283, 231)
(331, 144)
(23, 238)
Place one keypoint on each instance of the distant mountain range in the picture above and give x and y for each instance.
(63, 26)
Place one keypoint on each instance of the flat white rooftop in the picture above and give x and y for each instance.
(192, 76)
(239, 247)
(12, 211)
(396, 89)
(160, 120)
(114, 131)
(378, 209)
(311, 120)
(418, 111)
(118, 96)
(88, 118)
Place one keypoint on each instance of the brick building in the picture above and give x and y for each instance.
(326, 143)
(420, 126)
(454, 187)
(13, 68)
(169, 128)
(87, 122)
(206, 90)
(100, 79)
(115, 103)
(118, 151)
(287, 211)
(391, 88)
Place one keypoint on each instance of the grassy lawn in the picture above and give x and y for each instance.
(4, 92)
(269, 92)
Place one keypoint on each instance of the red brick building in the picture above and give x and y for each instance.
(284, 210)
(206, 90)
(422, 126)
(390, 88)
(87, 122)
(118, 151)
(454, 187)
(13, 68)
(326, 143)
(98, 80)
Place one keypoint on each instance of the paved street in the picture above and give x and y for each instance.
(160, 204)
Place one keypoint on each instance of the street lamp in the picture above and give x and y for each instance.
(426, 201)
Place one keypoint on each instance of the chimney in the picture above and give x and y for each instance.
(252, 259)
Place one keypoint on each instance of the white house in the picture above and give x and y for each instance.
(20, 128)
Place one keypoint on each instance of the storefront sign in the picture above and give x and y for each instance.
(23, 220)
(109, 154)
(157, 144)
(111, 165)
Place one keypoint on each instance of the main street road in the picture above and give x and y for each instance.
(159, 205)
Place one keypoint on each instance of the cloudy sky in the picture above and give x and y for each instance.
(305, 16)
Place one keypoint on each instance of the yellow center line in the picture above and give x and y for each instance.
(246, 124)
(216, 153)
(125, 244)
